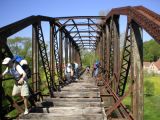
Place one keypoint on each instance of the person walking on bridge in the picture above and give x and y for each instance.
(76, 71)
(68, 73)
(21, 86)
(96, 68)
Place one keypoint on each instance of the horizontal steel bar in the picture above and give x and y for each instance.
(87, 44)
(85, 40)
(82, 24)
(86, 37)
(85, 31)
(80, 17)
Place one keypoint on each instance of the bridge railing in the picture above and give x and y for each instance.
(123, 75)
(60, 40)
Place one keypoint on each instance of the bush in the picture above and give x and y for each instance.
(149, 88)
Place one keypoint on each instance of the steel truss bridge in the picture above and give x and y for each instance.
(69, 35)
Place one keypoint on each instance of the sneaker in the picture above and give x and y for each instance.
(26, 112)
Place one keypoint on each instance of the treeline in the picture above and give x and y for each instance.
(21, 46)
(151, 51)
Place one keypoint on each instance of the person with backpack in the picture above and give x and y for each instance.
(96, 68)
(23, 63)
(21, 86)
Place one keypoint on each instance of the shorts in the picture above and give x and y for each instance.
(23, 90)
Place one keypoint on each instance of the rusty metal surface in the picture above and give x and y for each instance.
(125, 63)
(80, 17)
(147, 19)
(92, 32)
(44, 57)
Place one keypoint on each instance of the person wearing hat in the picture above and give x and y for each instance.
(21, 86)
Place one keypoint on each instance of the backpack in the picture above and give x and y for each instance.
(95, 66)
(73, 66)
(18, 59)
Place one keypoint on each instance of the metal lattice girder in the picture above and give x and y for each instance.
(44, 57)
(125, 64)
(57, 56)
(82, 27)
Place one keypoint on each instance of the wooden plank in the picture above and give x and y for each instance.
(77, 94)
(72, 99)
(51, 116)
(79, 100)
(68, 110)
(68, 104)
(84, 89)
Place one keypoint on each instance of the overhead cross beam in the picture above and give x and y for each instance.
(81, 27)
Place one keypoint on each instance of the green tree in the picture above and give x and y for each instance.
(88, 57)
(21, 46)
(151, 50)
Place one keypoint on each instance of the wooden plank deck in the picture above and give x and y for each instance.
(79, 100)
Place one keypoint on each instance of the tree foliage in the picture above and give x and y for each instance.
(88, 57)
(151, 51)
(149, 88)
(21, 46)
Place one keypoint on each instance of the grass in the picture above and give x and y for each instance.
(156, 80)
(151, 103)
(152, 108)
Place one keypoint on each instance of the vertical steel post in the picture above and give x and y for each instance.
(73, 53)
(52, 64)
(107, 51)
(111, 51)
(104, 47)
(60, 52)
(66, 50)
(137, 66)
(74, 58)
(116, 51)
(34, 57)
(101, 49)
(37, 75)
(80, 62)
(1, 89)
(77, 56)
(70, 52)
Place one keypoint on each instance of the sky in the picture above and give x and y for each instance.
(14, 10)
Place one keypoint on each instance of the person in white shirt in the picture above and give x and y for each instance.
(21, 85)
(68, 73)
(76, 71)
